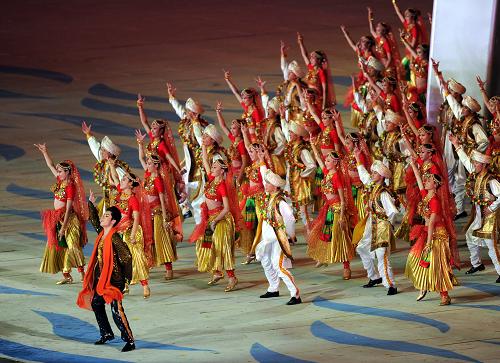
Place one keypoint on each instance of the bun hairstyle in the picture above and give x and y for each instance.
(115, 214)
(334, 155)
(133, 178)
(429, 147)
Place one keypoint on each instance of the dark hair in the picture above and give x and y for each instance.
(65, 166)
(429, 147)
(115, 214)
(416, 108)
(134, 180)
(413, 12)
(386, 29)
(425, 49)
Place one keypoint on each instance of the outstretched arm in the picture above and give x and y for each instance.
(398, 11)
(93, 213)
(417, 174)
(303, 51)
(142, 114)
(232, 86)
(220, 118)
(284, 63)
(140, 141)
(348, 38)
(317, 156)
(204, 158)
(370, 22)
(48, 159)
(486, 99)
(114, 174)
(179, 109)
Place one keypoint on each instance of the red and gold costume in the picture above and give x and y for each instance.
(65, 253)
(236, 152)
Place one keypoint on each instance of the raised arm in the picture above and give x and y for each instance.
(114, 174)
(364, 176)
(140, 142)
(142, 114)
(349, 39)
(418, 177)
(373, 84)
(48, 159)
(313, 113)
(486, 99)
(93, 213)
(317, 156)
(232, 86)
(178, 108)
(283, 59)
(407, 45)
(204, 158)
(93, 143)
(464, 158)
(303, 51)
(398, 11)
(370, 22)
(220, 118)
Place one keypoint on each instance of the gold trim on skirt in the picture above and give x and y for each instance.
(140, 270)
(220, 256)
(52, 260)
(164, 248)
(73, 256)
(339, 248)
(438, 276)
(301, 189)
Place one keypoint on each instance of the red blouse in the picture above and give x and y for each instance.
(153, 185)
(126, 206)
(237, 151)
(391, 101)
(158, 146)
(256, 113)
(329, 137)
(215, 190)
(63, 190)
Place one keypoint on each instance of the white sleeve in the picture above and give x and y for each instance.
(309, 163)
(441, 89)
(264, 97)
(262, 170)
(284, 68)
(495, 189)
(120, 172)
(388, 205)
(94, 147)
(360, 101)
(465, 160)
(280, 141)
(288, 218)
(198, 132)
(179, 109)
(364, 175)
(455, 106)
(480, 137)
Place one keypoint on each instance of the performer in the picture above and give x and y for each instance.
(274, 139)
(103, 152)
(65, 224)
(237, 151)
(190, 131)
(161, 210)
(330, 237)
(215, 235)
(278, 231)
(252, 106)
(419, 68)
(428, 264)
(483, 189)
(376, 238)
(131, 228)
(110, 268)
(301, 167)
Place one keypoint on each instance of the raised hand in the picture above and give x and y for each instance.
(402, 34)
(261, 154)
(244, 128)
(86, 129)
(454, 140)
(357, 152)
(480, 83)
(260, 83)
(91, 196)
(435, 66)
(336, 114)
(41, 147)
(370, 13)
(139, 136)
(227, 75)
(171, 90)
(300, 38)
(343, 28)
(283, 47)
(140, 100)
(218, 108)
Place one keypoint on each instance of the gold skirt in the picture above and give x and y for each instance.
(438, 276)
(355, 117)
(52, 260)
(164, 248)
(74, 253)
(247, 236)
(360, 202)
(140, 270)
(398, 176)
(339, 248)
(220, 256)
(301, 189)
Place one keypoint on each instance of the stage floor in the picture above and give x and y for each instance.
(63, 63)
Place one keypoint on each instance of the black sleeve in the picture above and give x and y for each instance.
(124, 256)
(94, 217)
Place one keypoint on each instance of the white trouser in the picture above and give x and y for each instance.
(475, 243)
(460, 178)
(382, 254)
(275, 265)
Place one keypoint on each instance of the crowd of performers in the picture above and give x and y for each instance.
(291, 159)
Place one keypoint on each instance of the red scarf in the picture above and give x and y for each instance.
(104, 287)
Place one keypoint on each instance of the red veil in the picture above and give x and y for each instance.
(145, 221)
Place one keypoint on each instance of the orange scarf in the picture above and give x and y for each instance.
(104, 287)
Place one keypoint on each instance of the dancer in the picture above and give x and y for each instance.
(330, 238)
(65, 224)
(215, 235)
(131, 228)
(374, 235)
(428, 264)
(483, 189)
(110, 268)
(103, 152)
(278, 232)
(161, 212)
(191, 128)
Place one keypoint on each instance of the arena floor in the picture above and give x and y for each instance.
(64, 62)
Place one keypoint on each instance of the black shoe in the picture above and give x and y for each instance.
(128, 347)
(475, 269)
(294, 301)
(270, 294)
(105, 339)
(392, 291)
(372, 283)
(461, 215)
(188, 214)
(498, 280)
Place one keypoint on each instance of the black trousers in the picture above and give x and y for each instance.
(99, 308)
